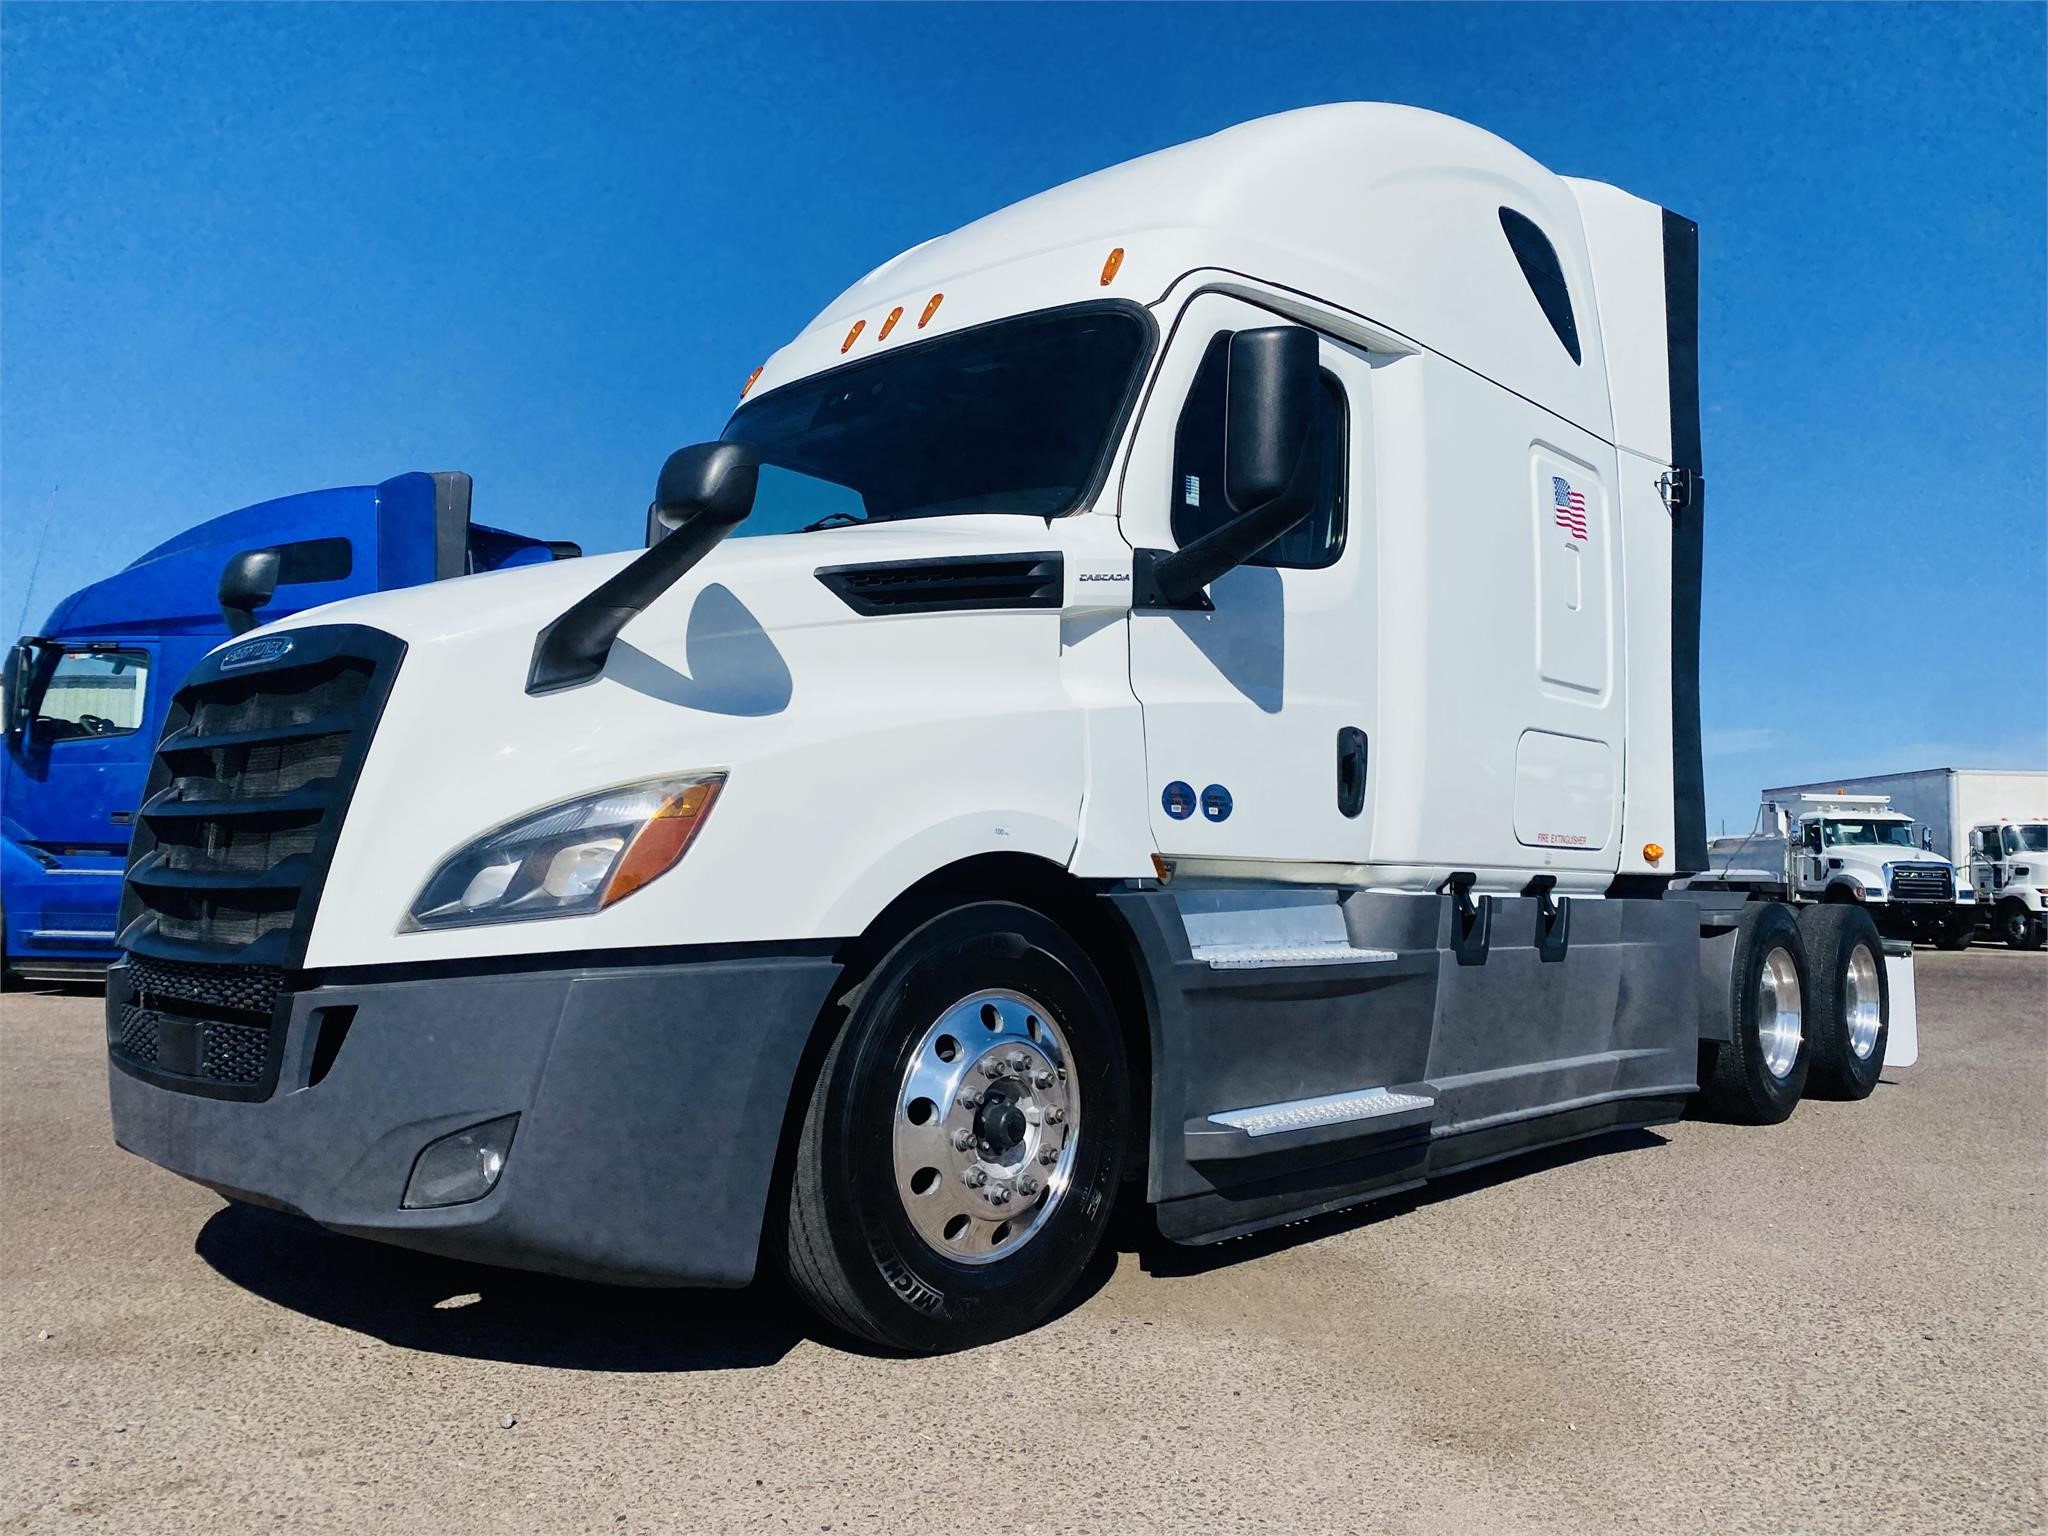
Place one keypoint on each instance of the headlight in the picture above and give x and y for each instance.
(579, 856)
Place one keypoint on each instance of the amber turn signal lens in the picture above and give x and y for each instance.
(889, 324)
(1653, 853)
(853, 335)
(748, 387)
(662, 839)
(931, 308)
(1116, 259)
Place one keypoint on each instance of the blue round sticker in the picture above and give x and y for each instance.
(1216, 803)
(1178, 800)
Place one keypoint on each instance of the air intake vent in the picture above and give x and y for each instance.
(953, 584)
(246, 796)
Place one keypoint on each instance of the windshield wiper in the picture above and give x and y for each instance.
(831, 518)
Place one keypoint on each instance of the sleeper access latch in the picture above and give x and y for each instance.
(1680, 488)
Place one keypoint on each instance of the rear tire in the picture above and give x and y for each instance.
(1757, 1077)
(1848, 1011)
(894, 1233)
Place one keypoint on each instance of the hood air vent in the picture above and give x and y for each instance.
(949, 585)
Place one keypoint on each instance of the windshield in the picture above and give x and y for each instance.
(2032, 838)
(1017, 416)
(1889, 834)
(90, 693)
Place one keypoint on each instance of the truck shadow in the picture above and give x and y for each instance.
(444, 1306)
(1165, 1259)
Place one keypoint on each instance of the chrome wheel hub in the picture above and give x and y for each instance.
(986, 1116)
(1778, 1020)
(1863, 1002)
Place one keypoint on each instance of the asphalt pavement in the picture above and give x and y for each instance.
(1839, 1324)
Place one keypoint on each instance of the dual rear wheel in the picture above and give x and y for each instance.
(1810, 1014)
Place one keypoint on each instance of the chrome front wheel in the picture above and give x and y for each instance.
(986, 1119)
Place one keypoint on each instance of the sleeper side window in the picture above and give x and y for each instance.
(1199, 504)
(1539, 263)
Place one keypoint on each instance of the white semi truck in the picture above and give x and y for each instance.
(1838, 847)
(1199, 705)
(1991, 825)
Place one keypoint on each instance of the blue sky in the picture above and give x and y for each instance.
(250, 251)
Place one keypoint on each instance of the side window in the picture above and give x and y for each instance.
(92, 693)
(1198, 500)
(1538, 259)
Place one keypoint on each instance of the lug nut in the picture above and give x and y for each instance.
(970, 1100)
(1018, 1061)
(1048, 1155)
(998, 1194)
(973, 1178)
(1041, 1078)
(962, 1140)
(1055, 1115)
(1027, 1186)
(992, 1068)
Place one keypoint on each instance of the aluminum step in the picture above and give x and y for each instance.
(1256, 957)
(1330, 1109)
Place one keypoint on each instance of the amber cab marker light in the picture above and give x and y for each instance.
(853, 335)
(752, 378)
(662, 839)
(1653, 852)
(931, 308)
(889, 324)
(1116, 259)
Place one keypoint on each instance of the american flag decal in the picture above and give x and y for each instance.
(1571, 507)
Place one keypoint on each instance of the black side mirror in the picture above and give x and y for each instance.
(703, 493)
(251, 579)
(1268, 478)
(247, 582)
(709, 482)
(20, 682)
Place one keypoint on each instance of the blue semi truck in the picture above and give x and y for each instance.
(85, 697)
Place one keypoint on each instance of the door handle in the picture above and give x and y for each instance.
(1351, 766)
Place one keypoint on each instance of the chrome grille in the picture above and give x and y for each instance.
(1922, 882)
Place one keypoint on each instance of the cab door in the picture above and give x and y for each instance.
(1258, 716)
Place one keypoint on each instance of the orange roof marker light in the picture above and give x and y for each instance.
(853, 335)
(752, 379)
(889, 324)
(931, 308)
(1116, 259)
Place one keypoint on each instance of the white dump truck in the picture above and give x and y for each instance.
(1858, 849)
(1964, 815)
(1182, 691)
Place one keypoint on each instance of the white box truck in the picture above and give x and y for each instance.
(1199, 703)
(1990, 824)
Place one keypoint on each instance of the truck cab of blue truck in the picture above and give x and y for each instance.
(85, 696)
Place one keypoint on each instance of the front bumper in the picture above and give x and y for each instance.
(651, 1103)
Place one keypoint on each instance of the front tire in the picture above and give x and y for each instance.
(1849, 1012)
(965, 1136)
(1956, 931)
(2017, 926)
(1758, 1076)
